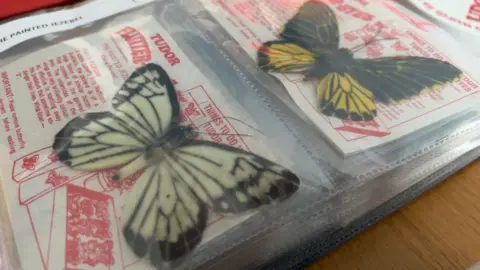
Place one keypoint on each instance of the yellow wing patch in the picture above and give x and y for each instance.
(342, 96)
(285, 57)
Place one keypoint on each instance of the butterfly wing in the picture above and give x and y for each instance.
(393, 79)
(229, 179)
(314, 27)
(164, 217)
(352, 95)
(342, 96)
(312, 31)
(144, 108)
(167, 215)
(285, 57)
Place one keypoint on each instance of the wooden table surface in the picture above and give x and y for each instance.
(439, 230)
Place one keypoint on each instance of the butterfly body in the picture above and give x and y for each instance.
(348, 87)
(175, 137)
(338, 61)
(156, 152)
(181, 177)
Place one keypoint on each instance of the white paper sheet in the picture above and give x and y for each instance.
(66, 219)
(251, 23)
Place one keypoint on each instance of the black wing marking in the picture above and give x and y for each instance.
(229, 179)
(285, 57)
(163, 217)
(145, 107)
(98, 141)
(314, 27)
(393, 79)
(166, 213)
(148, 100)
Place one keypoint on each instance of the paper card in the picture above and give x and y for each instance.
(19, 30)
(460, 18)
(251, 23)
(461, 14)
(66, 219)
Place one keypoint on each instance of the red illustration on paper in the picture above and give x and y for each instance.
(75, 216)
(52, 157)
(56, 179)
(89, 239)
(29, 163)
(122, 186)
(191, 110)
(399, 46)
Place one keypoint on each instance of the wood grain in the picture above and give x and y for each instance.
(439, 230)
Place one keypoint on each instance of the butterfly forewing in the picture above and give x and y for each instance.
(312, 31)
(96, 141)
(148, 101)
(314, 27)
(143, 112)
(285, 57)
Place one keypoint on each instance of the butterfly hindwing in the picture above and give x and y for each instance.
(163, 218)
(313, 27)
(167, 208)
(393, 79)
(145, 106)
(341, 95)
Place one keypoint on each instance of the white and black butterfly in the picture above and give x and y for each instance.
(166, 213)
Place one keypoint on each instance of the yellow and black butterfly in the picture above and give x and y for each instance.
(348, 88)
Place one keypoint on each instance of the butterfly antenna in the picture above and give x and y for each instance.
(227, 134)
(232, 118)
(372, 40)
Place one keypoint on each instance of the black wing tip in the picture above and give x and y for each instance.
(330, 111)
(163, 73)
(164, 77)
(263, 59)
(285, 187)
(292, 182)
(64, 156)
(364, 117)
(179, 249)
(164, 251)
(187, 242)
(62, 140)
(138, 244)
(152, 65)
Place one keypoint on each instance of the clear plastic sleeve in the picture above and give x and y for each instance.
(66, 218)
